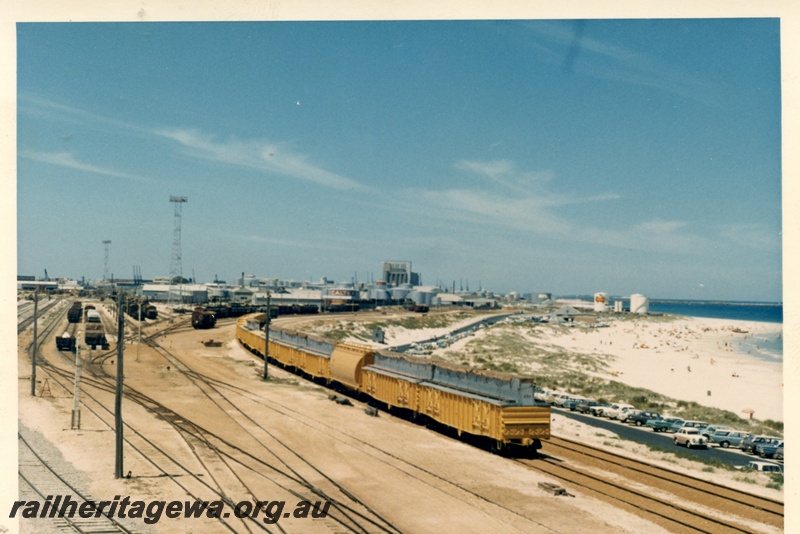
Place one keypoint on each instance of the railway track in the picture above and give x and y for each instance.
(353, 513)
(225, 464)
(40, 482)
(516, 520)
(676, 501)
(699, 516)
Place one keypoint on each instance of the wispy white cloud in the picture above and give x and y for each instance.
(260, 155)
(60, 112)
(271, 157)
(533, 187)
(68, 160)
(524, 201)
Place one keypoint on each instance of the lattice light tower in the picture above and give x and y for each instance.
(176, 263)
(106, 242)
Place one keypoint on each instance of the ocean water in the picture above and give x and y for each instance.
(767, 347)
(742, 311)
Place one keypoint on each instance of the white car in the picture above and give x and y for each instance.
(690, 437)
(624, 413)
(766, 467)
(612, 411)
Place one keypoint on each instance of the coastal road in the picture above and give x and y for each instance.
(659, 439)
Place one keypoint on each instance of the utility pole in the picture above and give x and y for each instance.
(35, 343)
(266, 337)
(139, 344)
(76, 407)
(118, 398)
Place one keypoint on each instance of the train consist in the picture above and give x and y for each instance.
(66, 341)
(94, 332)
(496, 408)
(133, 306)
(202, 318)
(75, 312)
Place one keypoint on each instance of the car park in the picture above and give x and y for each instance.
(689, 437)
(727, 437)
(757, 465)
(667, 424)
(642, 417)
(768, 448)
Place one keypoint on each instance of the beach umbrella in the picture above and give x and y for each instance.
(749, 411)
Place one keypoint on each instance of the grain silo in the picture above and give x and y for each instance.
(640, 304)
(601, 302)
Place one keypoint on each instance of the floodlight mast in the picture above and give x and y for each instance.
(176, 262)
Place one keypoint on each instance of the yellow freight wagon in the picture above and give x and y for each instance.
(494, 406)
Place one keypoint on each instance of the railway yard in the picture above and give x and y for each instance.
(202, 425)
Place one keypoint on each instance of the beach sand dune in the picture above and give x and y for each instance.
(685, 358)
(690, 359)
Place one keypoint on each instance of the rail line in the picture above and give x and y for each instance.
(356, 518)
(347, 439)
(710, 508)
(43, 481)
(657, 494)
(206, 445)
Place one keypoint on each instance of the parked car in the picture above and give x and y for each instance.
(668, 424)
(624, 413)
(757, 465)
(642, 417)
(572, 404)
(779, 452)
(749, 443)
(768, 448)
(727, 437)
(587, 405)
(541, 394)
(612, 411)
(708, 430)
(564, 400)
(695, 424)
(689, 437)
(599, 410)
(556, 397)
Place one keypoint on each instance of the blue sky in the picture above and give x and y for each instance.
(626, 156)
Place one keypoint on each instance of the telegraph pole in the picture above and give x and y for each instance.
(76, 407)
(35, 344)
(139, 344)
(118, 398)
(266, 337)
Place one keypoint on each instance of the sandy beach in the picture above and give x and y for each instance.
(692, 359)
(686, 358)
